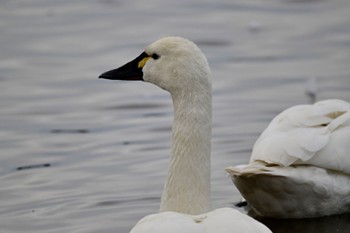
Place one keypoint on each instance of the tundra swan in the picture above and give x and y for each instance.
(178, 66)
(300, 165)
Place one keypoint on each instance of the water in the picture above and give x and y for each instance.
(80, 154)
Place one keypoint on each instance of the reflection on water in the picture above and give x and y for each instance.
(80, 154)
(338, 223)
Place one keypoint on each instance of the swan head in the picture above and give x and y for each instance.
(172, 63)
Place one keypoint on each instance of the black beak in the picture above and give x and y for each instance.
(129, 71)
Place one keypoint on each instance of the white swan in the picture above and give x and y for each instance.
(300, 165)
(178, 66)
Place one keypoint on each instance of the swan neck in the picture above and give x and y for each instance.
(187, 189)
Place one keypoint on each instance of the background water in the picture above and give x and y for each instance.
(98, 150)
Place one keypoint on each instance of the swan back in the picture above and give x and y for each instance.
(308, 134)
(223, 220)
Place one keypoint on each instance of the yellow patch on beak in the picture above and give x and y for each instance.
(143, 62)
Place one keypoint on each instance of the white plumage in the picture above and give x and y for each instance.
(300, 165)
(178, 66)
(223, 220)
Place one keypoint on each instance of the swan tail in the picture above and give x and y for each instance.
(255, 168)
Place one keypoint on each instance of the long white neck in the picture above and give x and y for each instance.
(187, 188)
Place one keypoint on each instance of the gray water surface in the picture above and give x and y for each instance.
(80, 154)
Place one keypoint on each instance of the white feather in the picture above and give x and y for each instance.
(224, 220)
(304, 150)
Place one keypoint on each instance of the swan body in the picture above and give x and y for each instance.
(300, 165)
(178, 66)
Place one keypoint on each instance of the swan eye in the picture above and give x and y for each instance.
(155, 56)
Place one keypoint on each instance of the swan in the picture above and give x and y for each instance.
(178, 66)
(300, 165)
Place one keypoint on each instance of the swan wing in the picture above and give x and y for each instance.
(223, 220)
(308, 134)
